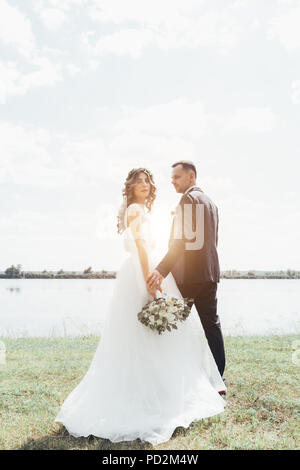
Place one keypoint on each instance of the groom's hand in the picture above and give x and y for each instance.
(154, 280)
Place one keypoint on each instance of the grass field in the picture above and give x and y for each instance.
(262, 401)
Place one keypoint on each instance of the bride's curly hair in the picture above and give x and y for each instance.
(128, 194)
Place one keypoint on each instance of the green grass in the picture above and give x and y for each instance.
(262, 401)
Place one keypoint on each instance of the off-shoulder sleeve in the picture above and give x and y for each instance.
(136, 213)
(134, 210)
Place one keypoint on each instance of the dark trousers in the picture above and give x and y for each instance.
(205, 300)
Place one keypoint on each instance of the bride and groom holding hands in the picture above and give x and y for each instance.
(139, 384)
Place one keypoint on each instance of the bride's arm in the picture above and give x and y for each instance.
(134, 221)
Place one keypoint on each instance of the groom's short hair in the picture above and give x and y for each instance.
(186, 165)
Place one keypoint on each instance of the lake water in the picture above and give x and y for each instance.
(74, 307)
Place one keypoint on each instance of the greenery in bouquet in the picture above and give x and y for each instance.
(163, 313)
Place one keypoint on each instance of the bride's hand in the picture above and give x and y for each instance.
(154, 280)
(152, 291)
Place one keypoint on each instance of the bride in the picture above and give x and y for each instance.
(141, 384)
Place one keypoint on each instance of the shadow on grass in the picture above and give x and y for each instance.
(62, 440)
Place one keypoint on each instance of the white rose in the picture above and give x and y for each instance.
(170, 317)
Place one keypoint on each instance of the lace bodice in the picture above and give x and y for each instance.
(145, 232)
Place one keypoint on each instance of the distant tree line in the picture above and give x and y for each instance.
(233, 274)
(17, 273)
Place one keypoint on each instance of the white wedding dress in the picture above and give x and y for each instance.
(141, 384)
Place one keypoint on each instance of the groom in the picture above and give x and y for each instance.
(192, 257)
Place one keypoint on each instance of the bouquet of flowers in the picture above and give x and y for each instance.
(164, 312)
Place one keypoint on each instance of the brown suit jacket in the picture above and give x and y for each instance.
(193, 260)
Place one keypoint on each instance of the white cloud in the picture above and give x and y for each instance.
(66, 5)
(93, 64)
(9, 77)
(295, 95)
(285, 27)
(92, 160)
(251, 119)
(84, 157)
(176, 118)
(24, 223)
(217, 183)
(32, 68)
(241, 3)
(26, 159)
(155, 12)
(14, 82)
(73, 69)
(15, 29)
(35, 225)
(166, 25)
(53, 18)
(54, 13)
(18, 141)
(161, 134)
(126, 41)
(188, 120)
(48, 73)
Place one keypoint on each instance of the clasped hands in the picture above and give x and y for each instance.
(154, 281)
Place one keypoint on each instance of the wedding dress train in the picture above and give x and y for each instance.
(141, 384)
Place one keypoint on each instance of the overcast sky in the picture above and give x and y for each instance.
(92, 88)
